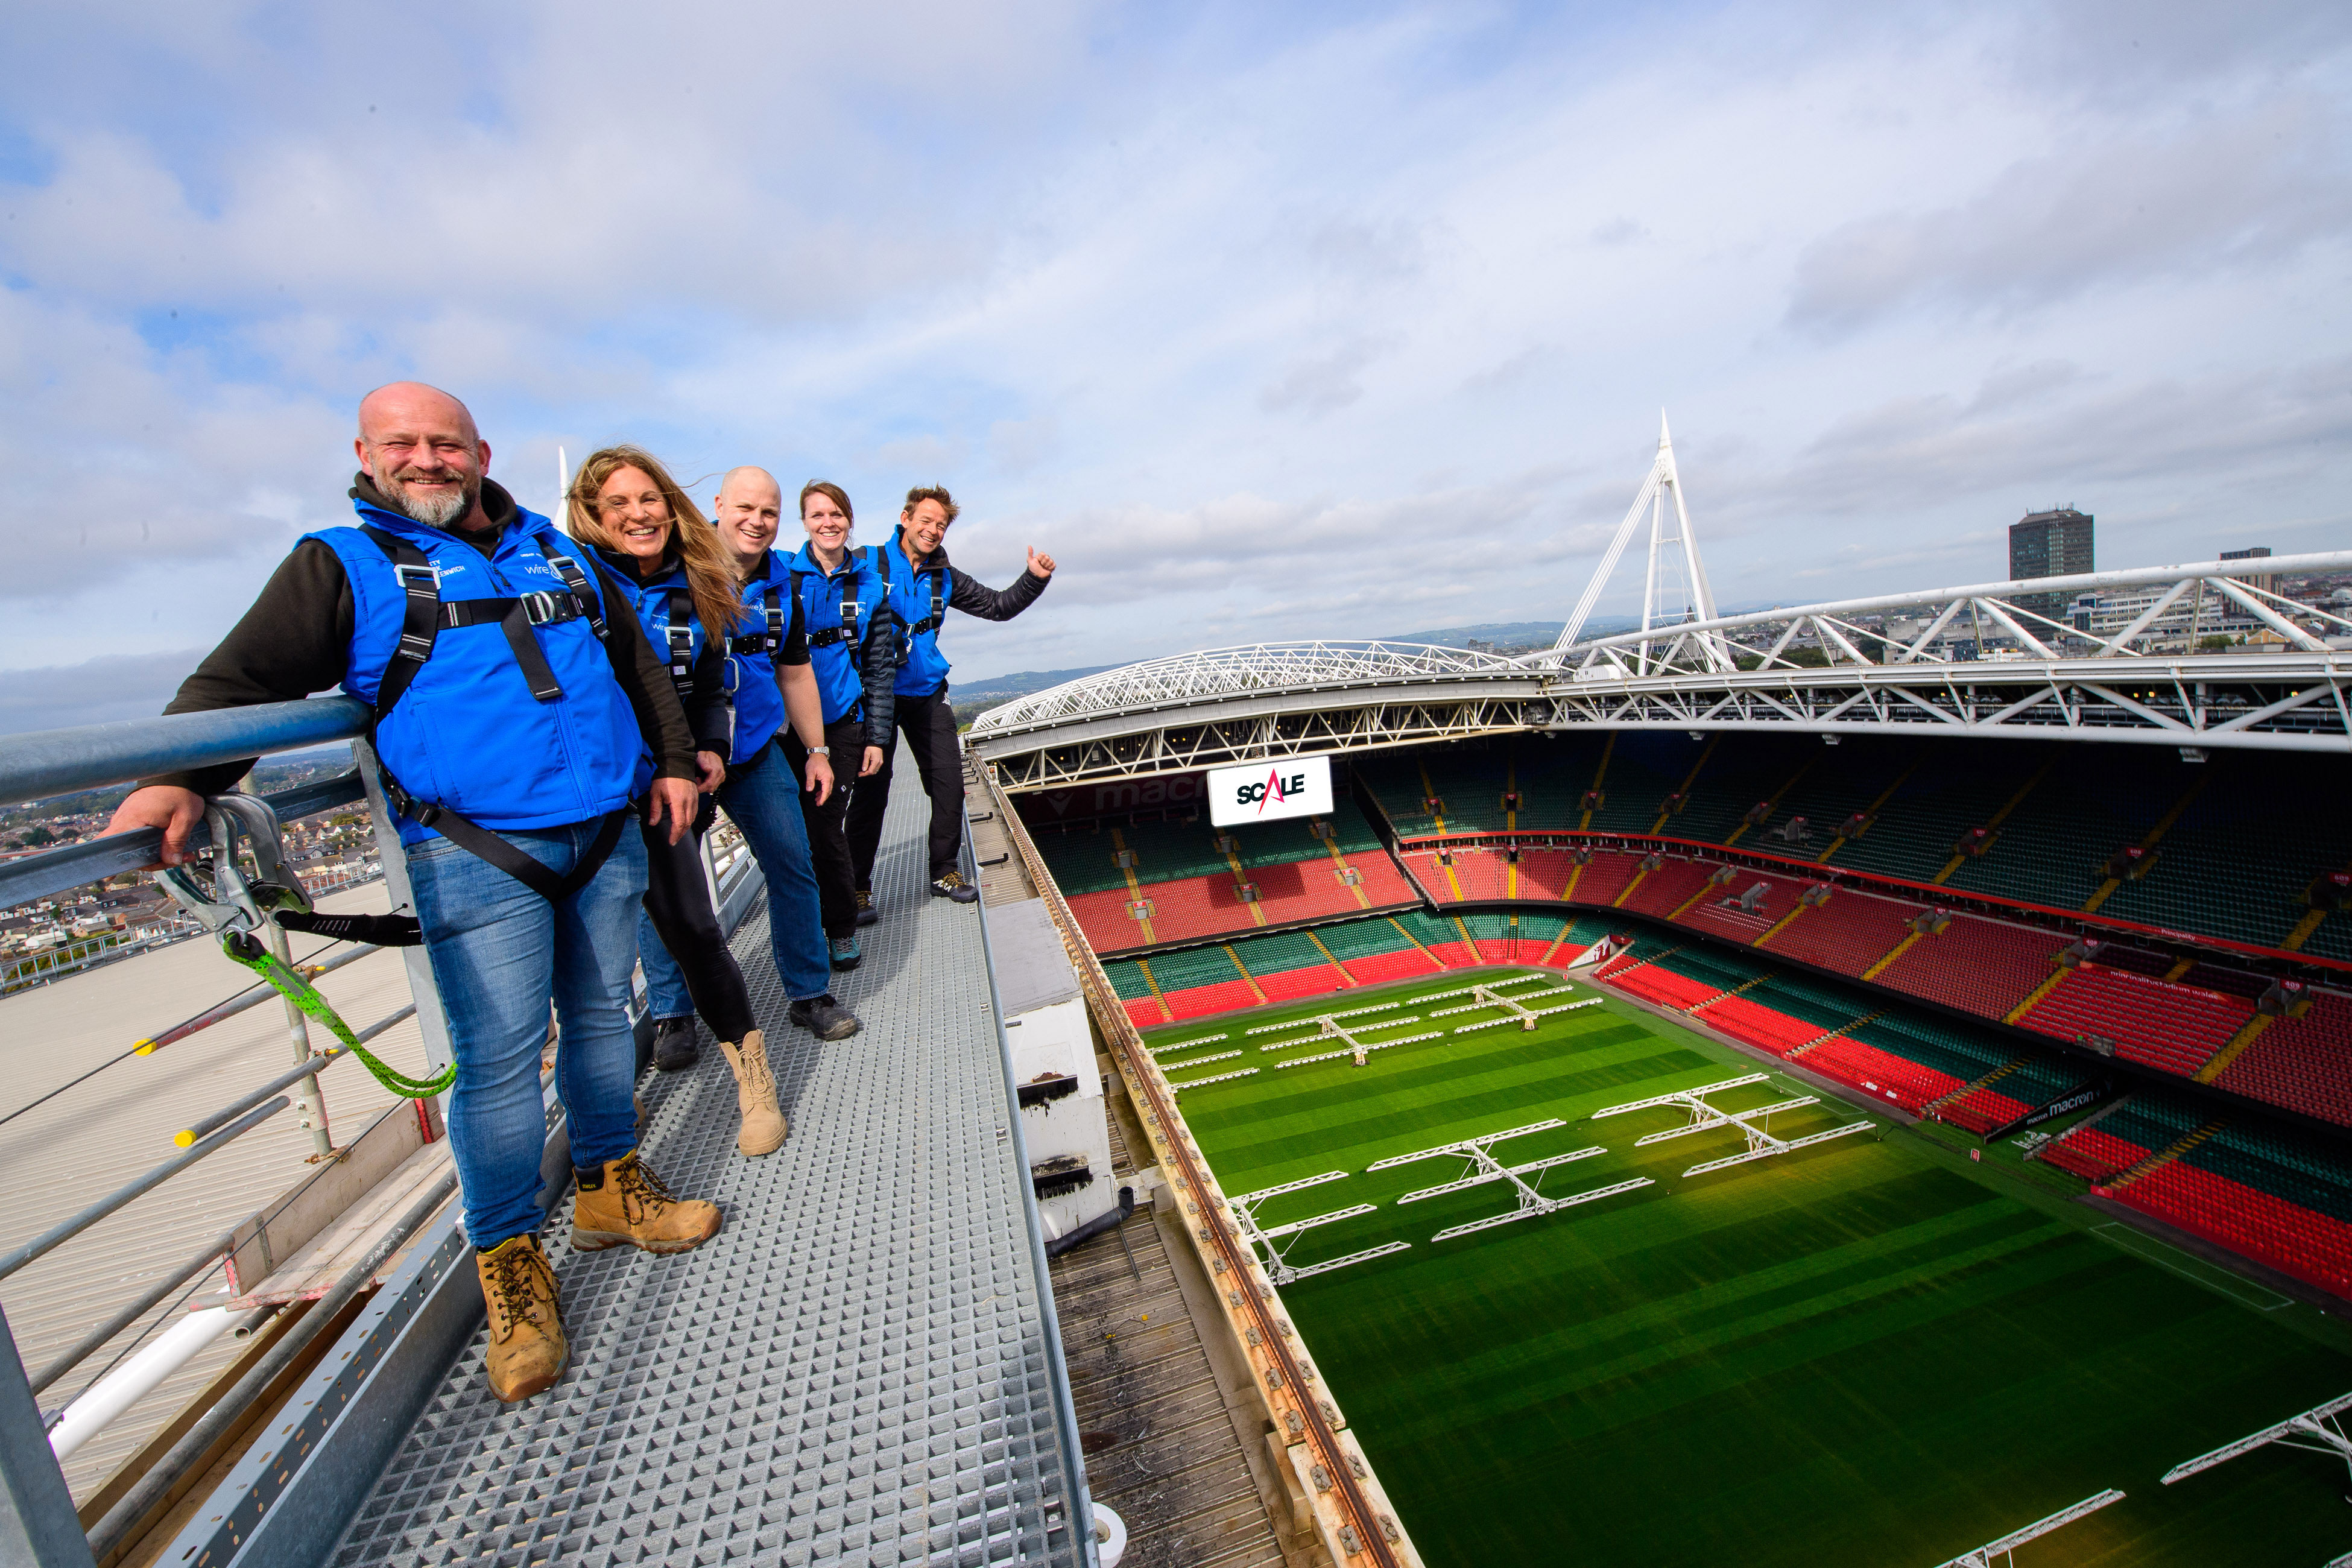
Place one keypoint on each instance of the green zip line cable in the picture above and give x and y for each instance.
(254, 955)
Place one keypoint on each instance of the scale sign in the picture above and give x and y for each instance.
(1268, 792)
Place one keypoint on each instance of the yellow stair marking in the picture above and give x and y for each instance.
(2180, 969)
(2163, 826)
(1446, 865)
(1565, 926)
(1240, 875)
(1773, 800)
(1598, 774)
(1871, 811)
(2163, 1157)
(1429, 793)
(1783, 923)
(1510, 788)
(1849, 1026)
(1705, 888)
(1967, 1089)
(1135, 896)
(1416, 943)
(1575, 874)
(1721, 994)
(2248, 1033)
(1689, 779)
(2036, 995)
(1618, 902)
(1247, 978)
(1997, 818)
(1468, 941)
(1329, 959)
(1900, 948)
(2304, 928)
(1357, 888)
(1167, 1013)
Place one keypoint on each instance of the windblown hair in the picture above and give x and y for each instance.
(709, 574)
(836, 495)
(939, 493)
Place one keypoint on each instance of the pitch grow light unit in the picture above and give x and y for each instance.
(1761, 1144)
(1480, 1166)
(2319, 1429)
(1983, 1556)
(1263, 1238)
(1515, 1009)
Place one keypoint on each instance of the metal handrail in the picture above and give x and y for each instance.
(307, 1068)
(92, 756)
(51, 1239)
(215, 1250)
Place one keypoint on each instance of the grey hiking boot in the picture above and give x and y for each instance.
(954, 886)
(824, 1017)
(674, 1046)
(866, 913)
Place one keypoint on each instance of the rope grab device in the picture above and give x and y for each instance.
(236, 911)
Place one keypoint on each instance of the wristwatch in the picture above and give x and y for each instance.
(820, 751)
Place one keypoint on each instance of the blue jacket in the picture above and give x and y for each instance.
(773, 636)
(468, 734)
(695, 660)
(920, 599)
(856, 655)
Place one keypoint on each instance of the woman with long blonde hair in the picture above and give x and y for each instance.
(666, 562)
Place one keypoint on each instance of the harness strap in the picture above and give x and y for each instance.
(773, 640)
(425, 616)
(681, 641)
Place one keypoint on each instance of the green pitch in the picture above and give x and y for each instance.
(1869, 1351)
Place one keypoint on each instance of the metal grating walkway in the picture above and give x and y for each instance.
(854, 1371)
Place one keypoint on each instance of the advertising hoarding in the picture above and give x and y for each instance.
(1269, 792)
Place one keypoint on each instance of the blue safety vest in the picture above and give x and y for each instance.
(508, 714)
(665, 607)
(836, 609)
(751, 673)
(919, 600)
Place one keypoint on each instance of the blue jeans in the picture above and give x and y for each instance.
(765, 804)
(500, 953)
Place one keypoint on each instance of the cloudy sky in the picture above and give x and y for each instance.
(1318, 320)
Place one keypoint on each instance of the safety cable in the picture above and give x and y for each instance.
(143, 1046)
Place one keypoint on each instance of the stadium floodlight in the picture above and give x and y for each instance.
(1480, 1166)
(1982, 1557)
(1704, 1118)
(1262, 1238)
(2319, 1430)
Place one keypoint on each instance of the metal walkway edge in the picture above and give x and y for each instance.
(860, 1368)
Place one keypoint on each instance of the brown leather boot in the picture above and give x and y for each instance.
(629, 1204)
(755, 1096)
(528, 1351)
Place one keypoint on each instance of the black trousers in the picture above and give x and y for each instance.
(927, 725)
(677, 901)
(828, 825)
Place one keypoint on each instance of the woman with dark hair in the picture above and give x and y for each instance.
(668, 563)
(853, 647)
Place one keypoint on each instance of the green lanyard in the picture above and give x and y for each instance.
(254, 955)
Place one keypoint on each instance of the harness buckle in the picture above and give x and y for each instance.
(421, 580)
(540, 607)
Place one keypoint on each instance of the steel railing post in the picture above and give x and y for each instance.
(309, 1098)
(431, 1021)
(39, 1527)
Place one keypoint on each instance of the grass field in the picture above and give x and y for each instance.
(1871, 1352)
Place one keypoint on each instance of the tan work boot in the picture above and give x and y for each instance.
(755, 1096)
(628, 1204)
(528, 1351)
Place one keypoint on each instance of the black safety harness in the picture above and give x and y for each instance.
(426, 617)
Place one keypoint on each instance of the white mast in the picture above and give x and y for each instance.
(1673, 541)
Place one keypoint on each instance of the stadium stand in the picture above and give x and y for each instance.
(1848, 933)
(2304, 1064)
(1985, 967)
(2175, 1028)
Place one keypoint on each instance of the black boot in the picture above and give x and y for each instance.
(674, 1046)
(824, 1017)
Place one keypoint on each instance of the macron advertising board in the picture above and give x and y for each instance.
(1268, 792)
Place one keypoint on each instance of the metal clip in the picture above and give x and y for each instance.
(424, 579)
(539, 607)
(232, 906)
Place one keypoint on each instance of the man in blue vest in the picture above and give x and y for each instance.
(514, 694)
(923, 588)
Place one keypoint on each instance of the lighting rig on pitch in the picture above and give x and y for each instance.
(1262, 1238)
(2318, 1430)
(1982, 1557)
(1513, 1009)
(1704, 1118)
(1480, 1166)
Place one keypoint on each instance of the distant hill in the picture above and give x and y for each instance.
(971, 699)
